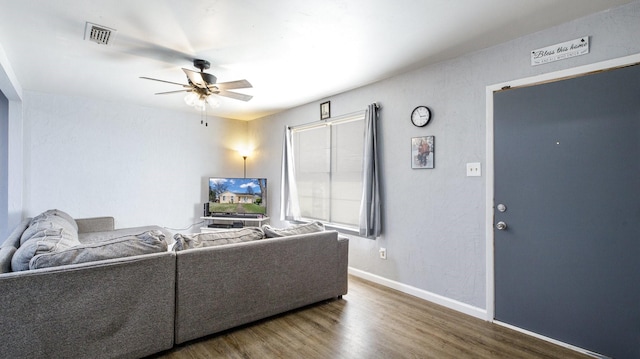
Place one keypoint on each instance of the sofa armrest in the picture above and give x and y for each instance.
(343, 264)
(95, 224)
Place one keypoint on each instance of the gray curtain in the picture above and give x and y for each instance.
(289, 207)
(370, 225)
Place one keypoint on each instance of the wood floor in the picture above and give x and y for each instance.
(371, 321)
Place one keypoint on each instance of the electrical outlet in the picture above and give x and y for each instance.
(473, 169)
(383, 253)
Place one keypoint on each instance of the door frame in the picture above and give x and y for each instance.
(489, 190)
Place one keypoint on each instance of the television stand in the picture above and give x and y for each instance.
(223, 222)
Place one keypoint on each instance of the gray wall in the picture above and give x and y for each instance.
(434, 220)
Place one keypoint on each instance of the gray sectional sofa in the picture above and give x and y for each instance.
(83, 304)
(223, 286)
(120, 307)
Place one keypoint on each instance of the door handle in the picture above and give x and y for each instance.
(501, 226)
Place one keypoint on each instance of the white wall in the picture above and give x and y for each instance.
(139, 164)
(434, 220)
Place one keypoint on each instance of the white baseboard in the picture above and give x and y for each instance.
(551, 340)
(459, 306)
(422, 294)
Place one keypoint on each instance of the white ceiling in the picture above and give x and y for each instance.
(292, 51)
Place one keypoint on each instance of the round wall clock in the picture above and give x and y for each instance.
(420, 116)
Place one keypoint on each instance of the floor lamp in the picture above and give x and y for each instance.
(244, 157)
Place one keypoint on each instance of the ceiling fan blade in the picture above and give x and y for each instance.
(169, 82)
(240, 84)
(149, 50)
(196, 78)
(170, 92)
(234, 95)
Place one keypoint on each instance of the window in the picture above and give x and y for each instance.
(328, 163)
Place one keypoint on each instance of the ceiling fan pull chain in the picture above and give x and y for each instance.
(203, 116)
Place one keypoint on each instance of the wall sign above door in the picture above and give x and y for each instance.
(560, 51)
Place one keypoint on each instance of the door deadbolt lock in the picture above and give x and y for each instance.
(501, 207)
(501, 225)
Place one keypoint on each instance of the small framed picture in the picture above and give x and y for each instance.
(325, 110)
(423, 152)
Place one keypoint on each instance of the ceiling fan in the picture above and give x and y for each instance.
(201, 86)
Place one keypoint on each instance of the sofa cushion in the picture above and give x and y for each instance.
(101, 236)
(125, 246)
(65, 216)
(51, 220)
(45, 240)
(53, 240)
(14, 238)
(312, 227)
(6, 253)
(217, 238)
(58, 213)
(22, 256)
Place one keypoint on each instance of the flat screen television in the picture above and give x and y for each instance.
(238, 196)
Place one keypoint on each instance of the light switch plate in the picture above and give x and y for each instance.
(474, 169)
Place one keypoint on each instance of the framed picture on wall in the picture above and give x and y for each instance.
(423, 152)
(325, 110)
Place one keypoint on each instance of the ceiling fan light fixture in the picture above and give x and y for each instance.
(212, 101)
(201, 105)
(191, 99)
(197, 101)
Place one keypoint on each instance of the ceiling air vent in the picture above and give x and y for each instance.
(99, 34)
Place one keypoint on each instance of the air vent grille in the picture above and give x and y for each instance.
(99, 34)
